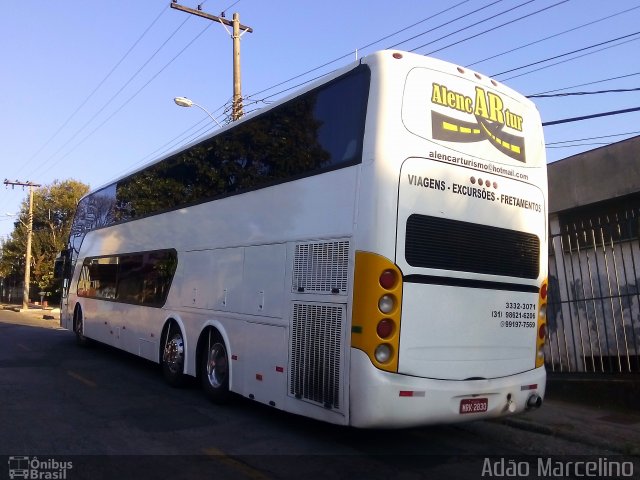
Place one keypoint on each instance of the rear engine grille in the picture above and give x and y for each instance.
(316, 337)
(321, 268)
(433, 242)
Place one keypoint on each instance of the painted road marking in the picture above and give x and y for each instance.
(237, 465)
(79, 377)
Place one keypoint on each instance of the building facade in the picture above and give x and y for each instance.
(594, 261)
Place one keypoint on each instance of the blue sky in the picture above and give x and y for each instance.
(75, 104)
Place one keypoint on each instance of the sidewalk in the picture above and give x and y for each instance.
(569, 412)
(34, 315)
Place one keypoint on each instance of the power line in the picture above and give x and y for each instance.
(364, 47)
(593, 138)
(128, 101)
(84, 102)
(587, 117)
(597, 92)
(510, 22)
(444, 24)
(225, 10)
(570, 59)
(586, 84)
(550, 37)
(113, 97)
(567, 53)
(466, 27)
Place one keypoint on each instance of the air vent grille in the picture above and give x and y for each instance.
(316, 341)
(321, 267)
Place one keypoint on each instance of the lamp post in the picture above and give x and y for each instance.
(185, 102)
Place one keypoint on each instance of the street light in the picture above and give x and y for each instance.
(185, 102)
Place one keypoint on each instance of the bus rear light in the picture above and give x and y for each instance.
(383, 353)
(388, 279)
(543, 291)
(397, 56)
(386, 304)
(542, 324)
(385, 328)
(542, 331)
(542, 313)
(377, 305)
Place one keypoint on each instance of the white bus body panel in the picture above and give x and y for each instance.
(238, 280)
(377, 401)
(463, 332)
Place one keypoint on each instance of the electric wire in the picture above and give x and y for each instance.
(552, 144)
(566, 53)
(84, 102)
(596, 92)
(510, 22)
(551, 36)
(128, 101)
(587, 117)
(444, 25)
(570, 59)
(362, 48)
(113, 97)
(586, 84)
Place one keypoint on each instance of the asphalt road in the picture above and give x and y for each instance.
(112, 416)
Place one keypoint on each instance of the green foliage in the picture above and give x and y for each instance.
(53, 208)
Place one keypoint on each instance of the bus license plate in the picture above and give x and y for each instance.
(474, 405)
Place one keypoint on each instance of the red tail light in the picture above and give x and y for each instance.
(542, 331)
(384, 328)
(388, 279)
(543, 291)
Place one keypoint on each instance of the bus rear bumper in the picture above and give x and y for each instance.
(381, 399)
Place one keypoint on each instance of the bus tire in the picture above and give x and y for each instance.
(215, 369)
(78, 327)
(172, 356)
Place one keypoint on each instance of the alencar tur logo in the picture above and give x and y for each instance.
(34, 468)
(490, 119)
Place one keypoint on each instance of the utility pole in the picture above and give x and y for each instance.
(27, 266)
(236, 111)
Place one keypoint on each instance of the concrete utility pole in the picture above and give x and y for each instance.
(236, 111)
(27, 266)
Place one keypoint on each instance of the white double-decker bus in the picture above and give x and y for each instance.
(370, 251)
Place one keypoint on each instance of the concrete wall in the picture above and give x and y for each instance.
(591, 177)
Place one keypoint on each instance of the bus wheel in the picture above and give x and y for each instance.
(78, 328)
(173, 356)
(215, 369)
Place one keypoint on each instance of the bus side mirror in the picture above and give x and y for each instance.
(62, 265)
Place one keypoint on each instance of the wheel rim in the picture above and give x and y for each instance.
(174, 354)
(217, 365)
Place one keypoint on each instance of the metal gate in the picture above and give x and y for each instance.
(594, 297)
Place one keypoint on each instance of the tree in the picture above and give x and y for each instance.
(53, 209)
